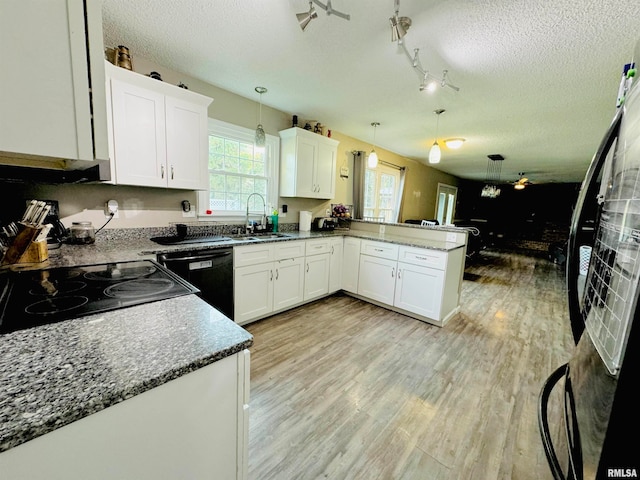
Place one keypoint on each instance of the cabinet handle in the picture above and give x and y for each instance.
(378, 250)
(276, 274)
(171, 172)
(331, 249)
(418, 257)
(399, 273)
(271, 276)
(307, 268)
(393, 272)
(161, 171)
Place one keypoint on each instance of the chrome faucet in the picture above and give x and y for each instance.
(248, 228)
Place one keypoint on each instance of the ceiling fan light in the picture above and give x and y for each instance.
(454, 143)
(372, 161)
(519, 186)
(435, 153)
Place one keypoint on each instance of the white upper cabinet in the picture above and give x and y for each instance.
(307, 164)
(159, 132)
(51, 81)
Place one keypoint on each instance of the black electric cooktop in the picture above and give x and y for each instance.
(39, 297)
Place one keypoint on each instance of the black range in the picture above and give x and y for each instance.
(38, 297)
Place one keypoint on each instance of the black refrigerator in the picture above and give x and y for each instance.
(587, 412)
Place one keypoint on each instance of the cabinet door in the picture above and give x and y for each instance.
(139, 135)
(377, 278)
(45, 96)
(306, 152)
(419, 290)
(335, 266)
(316, 280)
(288, 284)
(252, 292)
(325, 170)
(187, 145)
(350, 264)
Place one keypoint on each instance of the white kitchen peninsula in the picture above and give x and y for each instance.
(416, 271)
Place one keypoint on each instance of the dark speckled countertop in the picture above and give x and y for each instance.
(55, 374)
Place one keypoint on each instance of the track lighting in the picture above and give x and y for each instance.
(429, 82)
(305, 17)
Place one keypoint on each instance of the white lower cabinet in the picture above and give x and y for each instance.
(267, 278)
(195, 426)
(317, 267)
(419, 289)
(316, 279)
(415, 281)
(377, 278)
(350, 264)
(288, 283)
(335, 265)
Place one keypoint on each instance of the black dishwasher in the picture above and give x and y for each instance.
(211, 271)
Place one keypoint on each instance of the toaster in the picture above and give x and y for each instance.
(324, 223)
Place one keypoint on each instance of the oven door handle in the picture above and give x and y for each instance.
(202, 258)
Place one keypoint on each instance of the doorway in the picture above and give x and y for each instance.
(446, 204)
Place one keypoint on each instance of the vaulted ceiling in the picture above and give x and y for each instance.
(537, 79)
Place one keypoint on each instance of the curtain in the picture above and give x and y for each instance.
(398, 206)
(359, 169)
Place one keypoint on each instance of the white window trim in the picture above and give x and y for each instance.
(229, 130)
(389, 171)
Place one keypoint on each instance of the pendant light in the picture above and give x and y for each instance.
(372, 161)
(261, 139)
(435, 153)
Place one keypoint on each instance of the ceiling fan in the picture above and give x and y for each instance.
(521, 182)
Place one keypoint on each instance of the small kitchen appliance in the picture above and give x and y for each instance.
(324, 223)
(30, 298)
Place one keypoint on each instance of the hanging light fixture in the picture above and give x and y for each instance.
(261, 139)
(494, 167)
(372, 161)
(521, 182)
(305, 17)
(435, 154)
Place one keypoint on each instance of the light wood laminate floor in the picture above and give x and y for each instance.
(342, 389)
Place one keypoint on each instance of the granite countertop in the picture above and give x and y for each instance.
(58, 373)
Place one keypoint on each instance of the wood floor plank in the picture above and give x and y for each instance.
(344, 389)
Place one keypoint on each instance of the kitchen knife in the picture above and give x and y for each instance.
(42, 236)
(28, 211)
(43, 214)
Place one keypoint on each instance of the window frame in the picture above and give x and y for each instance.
(272, 164)
(380, 169)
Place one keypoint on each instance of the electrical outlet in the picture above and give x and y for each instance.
(327, 212)
(381, 229)
(111, 208)
(451, 237)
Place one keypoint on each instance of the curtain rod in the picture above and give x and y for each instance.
(382, 162)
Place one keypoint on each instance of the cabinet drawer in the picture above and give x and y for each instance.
(318, 246)
(252, 254)
(289, 250)
(426, 258)
(379, 249)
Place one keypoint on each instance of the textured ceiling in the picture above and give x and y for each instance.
(538, 79)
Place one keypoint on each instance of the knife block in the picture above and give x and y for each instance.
(24, 249)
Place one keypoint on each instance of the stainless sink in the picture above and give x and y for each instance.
(257, 236)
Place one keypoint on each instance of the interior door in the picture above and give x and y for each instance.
(446, 204)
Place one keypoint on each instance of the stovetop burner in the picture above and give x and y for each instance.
(32, 298)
